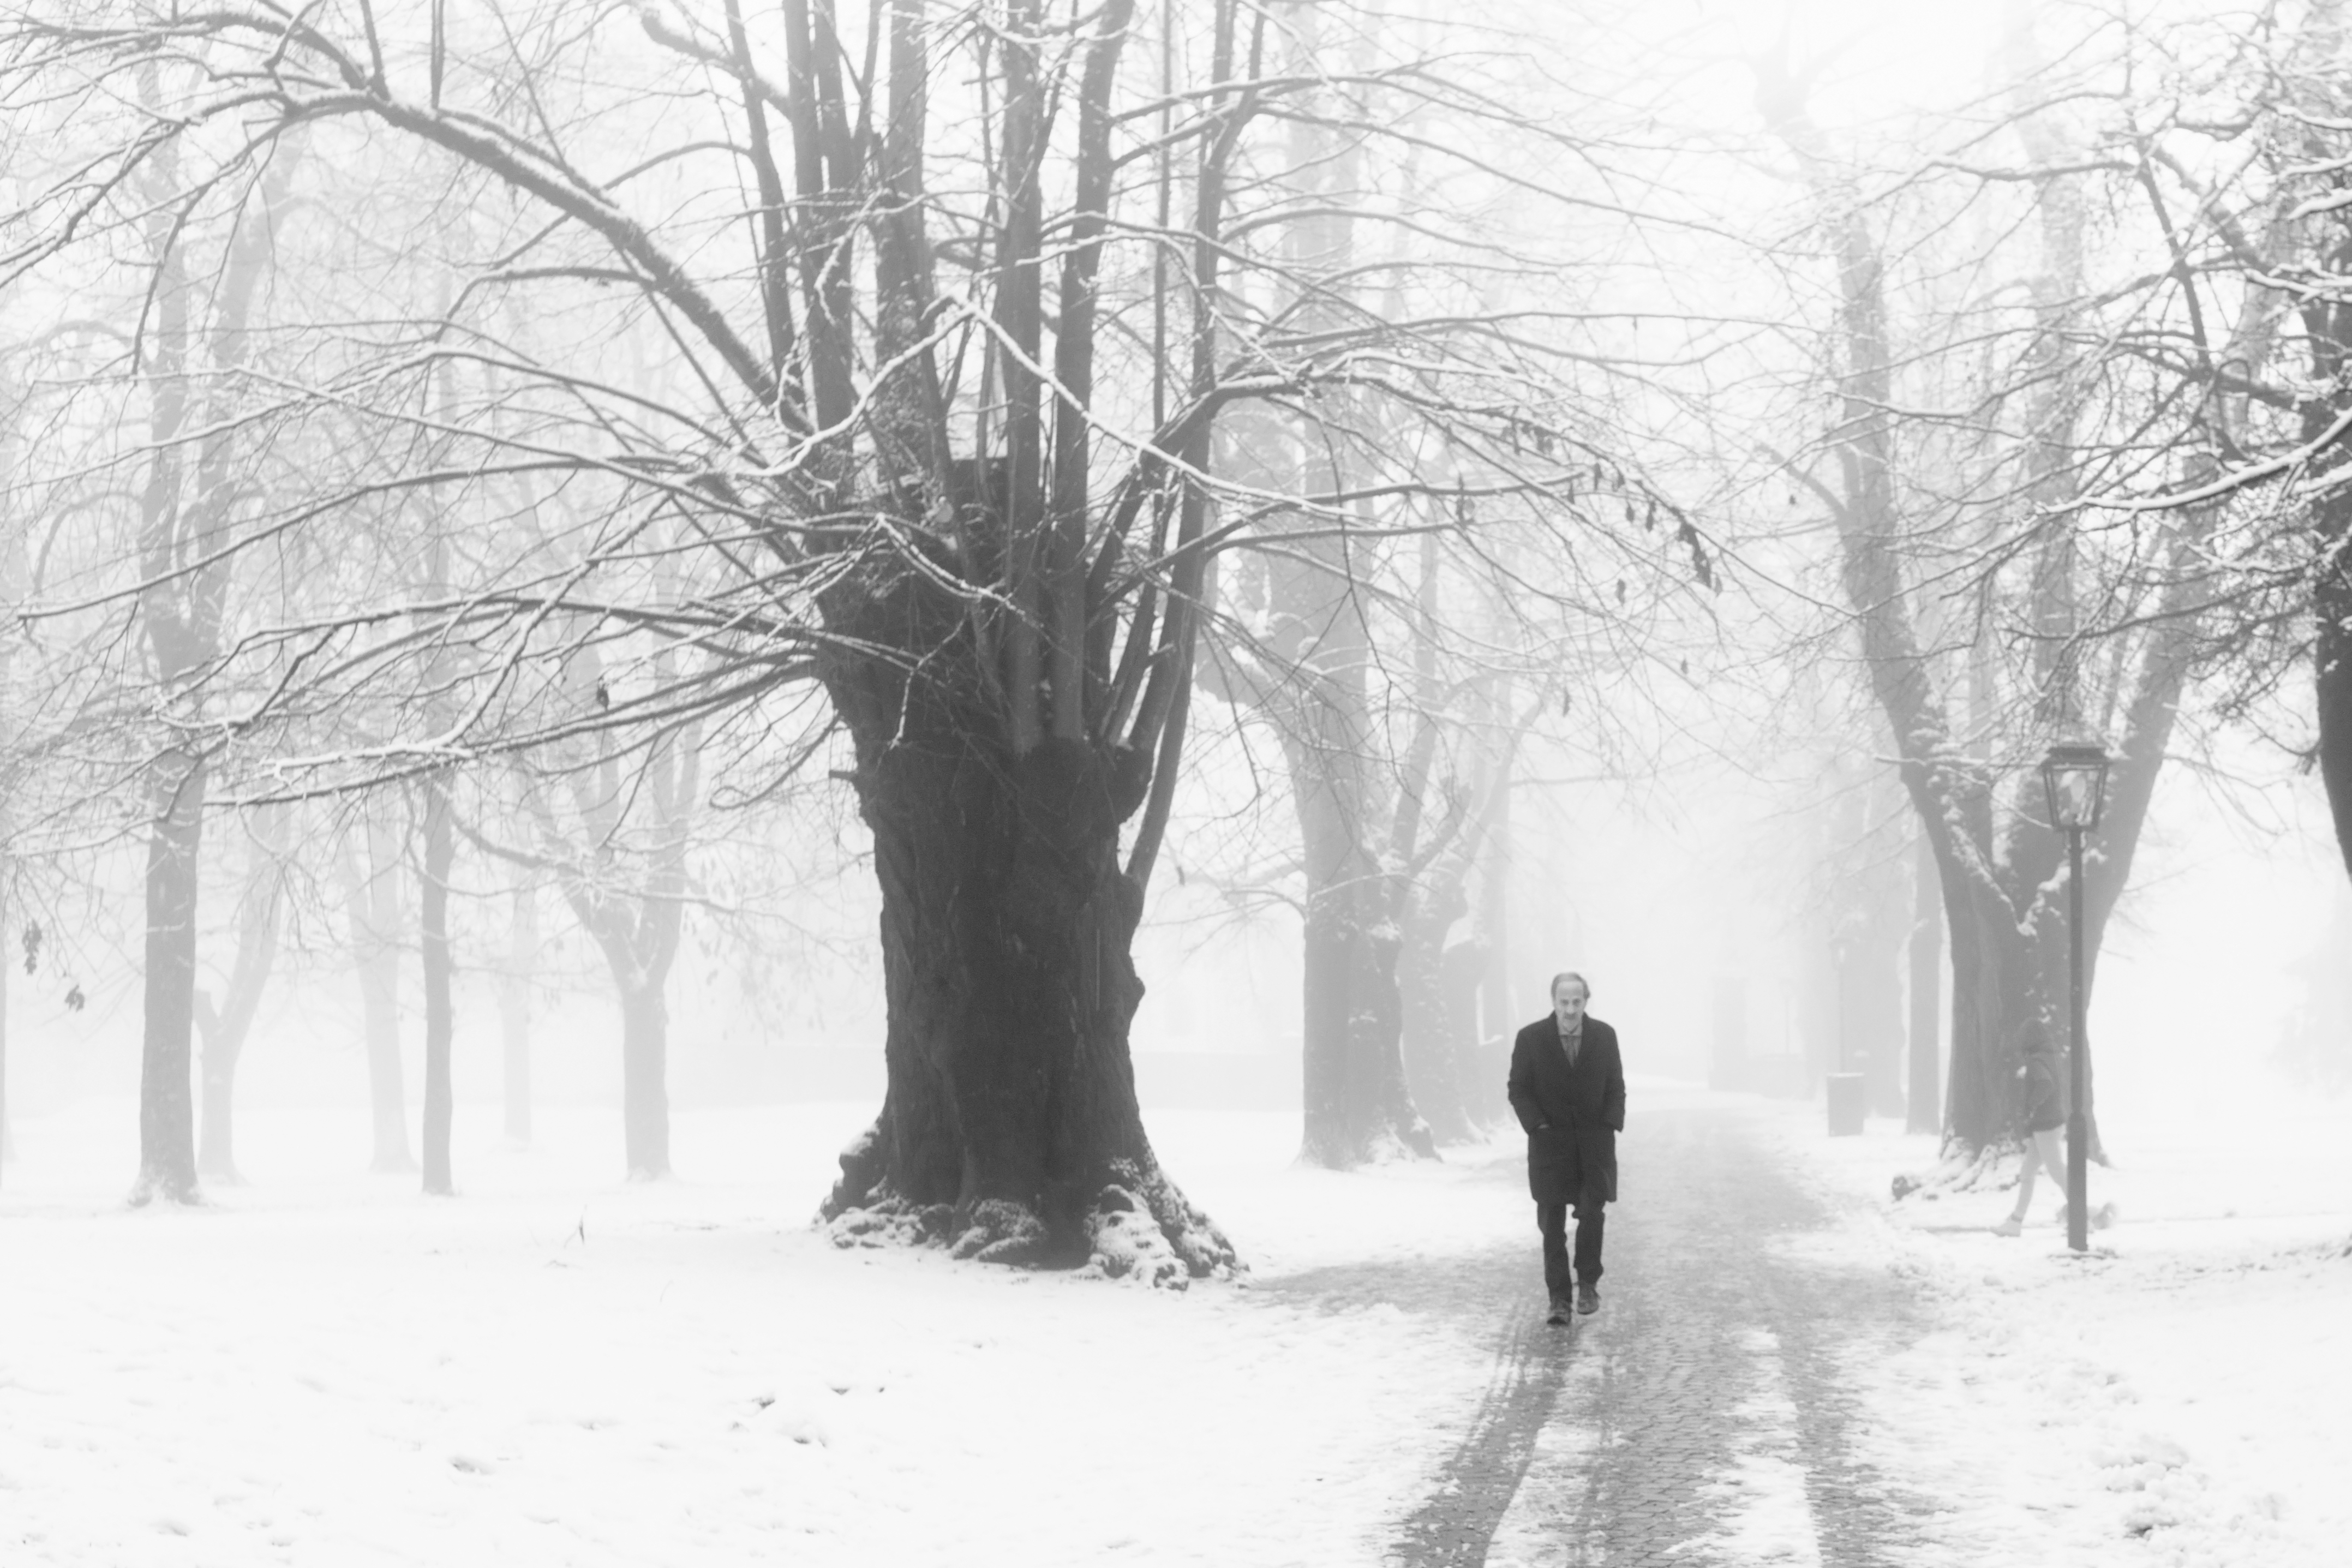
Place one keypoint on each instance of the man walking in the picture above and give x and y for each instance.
(1568, 1085)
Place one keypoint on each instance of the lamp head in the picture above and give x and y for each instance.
(2074, 777)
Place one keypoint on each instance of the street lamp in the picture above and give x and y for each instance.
(2074, 777)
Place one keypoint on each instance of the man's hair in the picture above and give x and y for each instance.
(1571, 974)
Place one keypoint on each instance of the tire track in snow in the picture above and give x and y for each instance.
(1454, 1525)
(1701, 1418)
(1456, 1520)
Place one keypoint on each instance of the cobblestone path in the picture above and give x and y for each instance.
(1698, 1418)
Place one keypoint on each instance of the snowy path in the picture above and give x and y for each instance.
(1700, 1417)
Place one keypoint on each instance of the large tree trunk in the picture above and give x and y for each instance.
(373, 896)
(225, 1029)
(1922, 1104)
(1997, 991)
(514, 1012)
(1011, 1128)
(440, 851)
(167, 1126)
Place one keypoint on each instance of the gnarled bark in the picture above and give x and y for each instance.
(1011, 1129)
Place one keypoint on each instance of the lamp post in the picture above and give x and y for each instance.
(2075, 778)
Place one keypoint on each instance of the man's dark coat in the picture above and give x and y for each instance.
(1572, 1116)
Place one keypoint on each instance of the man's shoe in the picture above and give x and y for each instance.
(1558, 1311)
(1587, 1299)
(2012, 1226)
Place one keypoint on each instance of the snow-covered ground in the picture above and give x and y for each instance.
(2181, 1395)
(557, 1367)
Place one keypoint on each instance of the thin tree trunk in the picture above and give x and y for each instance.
(440, 852)
(1492, 931)
(374, 899)
(13, 566)
(514, 1012)
(8, 1134)
(167, 1128)
(1429, 1045)
(1462, 973)
(2331, 665)
(1922, 1108)
(645, 1080)
(225, 1030)
(1434, 862)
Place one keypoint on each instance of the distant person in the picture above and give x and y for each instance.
(1568, 1085)
(2043, 1103)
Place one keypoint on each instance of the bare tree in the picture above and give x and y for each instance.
(989, 550)
(615, 831)
(2243, 327)
(1972, 511)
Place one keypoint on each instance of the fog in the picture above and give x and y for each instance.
(967, 651)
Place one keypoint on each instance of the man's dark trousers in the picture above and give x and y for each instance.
(1551, 1219)
(1572, 1113)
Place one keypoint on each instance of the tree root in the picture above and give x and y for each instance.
(1142, 1228)
(1961, 1170)
(1137, 1227)
(152, 1187)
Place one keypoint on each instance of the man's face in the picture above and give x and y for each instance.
(1567, 1003)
